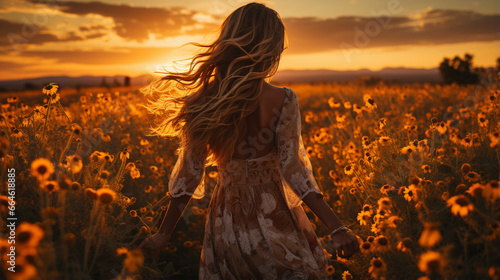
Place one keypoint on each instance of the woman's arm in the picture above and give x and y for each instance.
(345, 243)
(174, 212)
(153, 244)
(321, 209)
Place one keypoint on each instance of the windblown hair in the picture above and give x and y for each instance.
(206, 105)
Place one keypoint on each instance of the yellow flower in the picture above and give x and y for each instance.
(405, 244)
(476, 190)
(135, 173)
(426, 168)
(364, 217)
(105, 195)
(74, 163)
(213, 174)
(49, 186)
(386, 188)
(494, 138)
(473, 176)
(330, 270)
(366, 247)
(369, 102)
(121, 251)
(50, 89)
(384, 203)
(411, 193)
(90, 193)
(133, 261)
(42, 168)
(430, 236)
(381, 244)
(377, 268)
(460, 205)
(430, 262)
(346, 275)
(349, 169)
(466, 168)
(385, 141)
(28, 235)
(492, 190)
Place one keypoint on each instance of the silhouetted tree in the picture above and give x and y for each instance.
(458, 70)
(103, 82)
(116, 83)
(126, 82)
(29, 86)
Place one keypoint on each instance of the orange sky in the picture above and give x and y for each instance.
(132, 37)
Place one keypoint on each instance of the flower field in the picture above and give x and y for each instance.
(412, 169)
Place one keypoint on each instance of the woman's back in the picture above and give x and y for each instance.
(256, 138)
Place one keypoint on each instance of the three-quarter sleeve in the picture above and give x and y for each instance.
(294, 163)
(188, 175)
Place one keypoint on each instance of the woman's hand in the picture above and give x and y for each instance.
(345, 243)
(152, 245)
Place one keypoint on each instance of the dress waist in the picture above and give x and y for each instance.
(250, 171)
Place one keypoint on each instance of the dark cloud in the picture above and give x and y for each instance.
(86, 28)
(18, 35)
(101, 57)
(136, 23)
(430, 28)
(13, 33)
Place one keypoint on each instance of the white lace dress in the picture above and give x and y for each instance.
(255, 227)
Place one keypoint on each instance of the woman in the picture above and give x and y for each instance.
(225, 113)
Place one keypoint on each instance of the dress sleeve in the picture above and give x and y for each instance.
(188, 175)
(295, 166)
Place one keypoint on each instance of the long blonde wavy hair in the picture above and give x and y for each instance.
(206, 105)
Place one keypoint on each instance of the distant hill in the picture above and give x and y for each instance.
(66, 81)
(409, 75)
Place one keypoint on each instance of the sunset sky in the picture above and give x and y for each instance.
(132, 37)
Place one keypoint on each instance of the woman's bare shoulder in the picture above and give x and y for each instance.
(273, 95)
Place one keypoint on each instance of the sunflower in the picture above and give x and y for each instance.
(349, 169)
(50, 89)
(466, 168)
(385, 141)
(105, 195)
(330, 270)
(213, 174)
(476, 190)
(386, 188)
(28, 235)
(74, 163)
(430, 236)
(366, 247)
(42, 168)
(133, 261)
(492, 190)
(364, 217)
(405, 244)
(369, 102)
(377, 268)
(431, 262)
(384, 203)
(494, 138)
(460, 205)
(426, 168)
(346, 275)
(90, 193)
(473, 176)
(381, 244)
(49, 186)
(411, 193)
